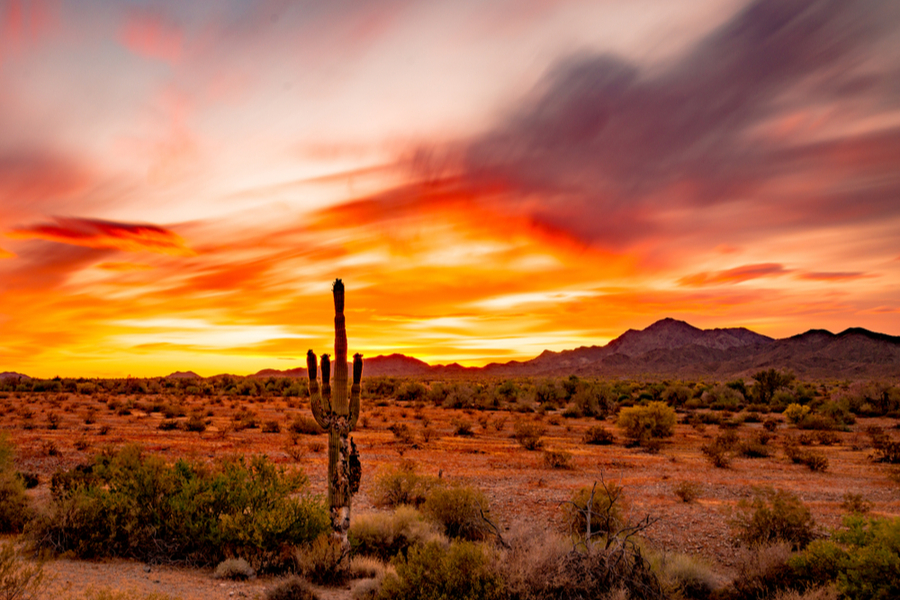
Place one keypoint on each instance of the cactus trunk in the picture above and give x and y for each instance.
(337, 413)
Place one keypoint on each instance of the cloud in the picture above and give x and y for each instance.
(6, 254)
(832, 276)
(618, 154)
(34, 180)
(735, 275)
(152, 35)
(93, 233)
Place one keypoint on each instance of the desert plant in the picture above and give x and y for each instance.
(688, 491)
(643, 423)
(598, 435)
(761, 572)
(15, 509)
(18, 579)
(773, 516)
(557, 459)
(593, 510)
(796, 413)
(234, 568)
(684, 576)
(462, 571)
(304, 425)
(462, 427)
(528, 434)
(292, 588)
(337, 414)
(402, 485)
(324, 562)
(460, 510)
(386, 535)
(855, 503)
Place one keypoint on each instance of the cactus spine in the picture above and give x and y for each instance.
(337, 413)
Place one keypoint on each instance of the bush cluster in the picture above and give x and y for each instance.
(644, 423)
(130, 505)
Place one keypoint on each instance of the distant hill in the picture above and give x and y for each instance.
(297, 372)
(12, 375)
(183, 375)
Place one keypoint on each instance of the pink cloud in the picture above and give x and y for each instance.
(152, 36)
(832, 276)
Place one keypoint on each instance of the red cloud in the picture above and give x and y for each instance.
(736, 275)
(92, 233)
(151, 36)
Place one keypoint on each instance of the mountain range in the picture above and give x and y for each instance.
(673, 348)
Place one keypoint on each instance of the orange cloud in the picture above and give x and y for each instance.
(835, 276)
(123, 267)
(151, 36)
(6, 254)
(92, 233)
(735, 275)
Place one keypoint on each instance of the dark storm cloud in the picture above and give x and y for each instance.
(610, 151)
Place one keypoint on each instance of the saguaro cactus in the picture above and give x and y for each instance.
(337, 415)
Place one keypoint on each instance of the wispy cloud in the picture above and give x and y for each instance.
(94, 233)
(735, 275)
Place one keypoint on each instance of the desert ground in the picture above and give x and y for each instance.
(53, 431)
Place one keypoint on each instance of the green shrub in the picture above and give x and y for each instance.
(643, 423)
(459, 509)
(863, 558)
(402, 485)
(773, 516)
(130, 505)
(386, 535)
(462, 571)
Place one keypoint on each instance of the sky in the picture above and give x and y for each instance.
(181, 182)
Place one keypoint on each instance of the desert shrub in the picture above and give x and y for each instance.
(688, 491)
(130, 505)
(305, 426)
(528, 434)
(557, 459)
(719, 451)
(19, 580)
(460, 510)
(598, 435)
(642, 423)
(773, 516)
(761, 572)
(402, 433)
(323, 561)
(402, 485)
(462, 571)
(110, 594)
(819, 422)
(814, 461)
(412, 391)
(271, 427)
(684, 576)
(386, 535)
(604, 503)
(755, 447)
(15, 509)
(292, 588)
(855, 503)
(462, 427)
(795, 413)
(863, 558)
(234, 568)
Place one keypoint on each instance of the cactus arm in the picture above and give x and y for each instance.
(315, 397)
(354, 390)
(326, 382)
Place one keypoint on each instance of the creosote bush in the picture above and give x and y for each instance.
(234, 568)
(292, 588)
(14, 507)
(642, 424)
(597, 434)
(528, 434)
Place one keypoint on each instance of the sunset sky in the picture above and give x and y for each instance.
(180, 182)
